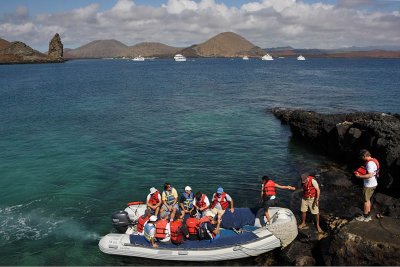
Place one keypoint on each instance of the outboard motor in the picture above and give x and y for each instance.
(120, 221)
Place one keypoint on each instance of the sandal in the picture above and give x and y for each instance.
(303, 227)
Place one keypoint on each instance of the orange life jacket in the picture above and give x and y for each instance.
(141, 222)
(203, 220)
(308, 188)
(176, 233)
(161, 229)
(154, 198)
(269, 188)
(223, 202)
(192, 225)
(201, 203)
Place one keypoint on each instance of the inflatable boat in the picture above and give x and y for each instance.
(242, 235)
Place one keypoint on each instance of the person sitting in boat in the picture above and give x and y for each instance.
(192, 223)
(142, 221)
(268, 194)
(178, 229)
(209, 228)
(154, 201)
(220, 202)
(201, 202)
(163, 228)
(150, 231)
(186, 201)
(170, 200)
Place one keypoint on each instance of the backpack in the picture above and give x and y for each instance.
(203, 232)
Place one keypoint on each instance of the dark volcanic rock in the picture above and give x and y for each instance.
(56, 47)
(359, 243)
(343, 135)
(349, 242)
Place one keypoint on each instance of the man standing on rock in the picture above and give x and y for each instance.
(370, 183)
(310, 200)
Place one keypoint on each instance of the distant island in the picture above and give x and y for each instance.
(20, 53)
(223, 45)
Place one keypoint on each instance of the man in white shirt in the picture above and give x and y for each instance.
(220, 202)
(370, 183)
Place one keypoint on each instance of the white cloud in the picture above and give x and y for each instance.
(266, 23)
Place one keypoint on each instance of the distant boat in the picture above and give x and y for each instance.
(301, 58)
(267, 57)
(245, 58)
(139, 58)
(179, 57)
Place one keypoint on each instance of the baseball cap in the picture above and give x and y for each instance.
(153, 218)
(188, 188)
(152, 190)
(304, 177)
(220, 190)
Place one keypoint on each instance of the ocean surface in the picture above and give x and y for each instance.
(79, 140)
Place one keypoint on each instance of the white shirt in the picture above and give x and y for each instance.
(315, 184)
(371, 168)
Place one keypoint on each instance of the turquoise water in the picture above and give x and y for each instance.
(79, 140)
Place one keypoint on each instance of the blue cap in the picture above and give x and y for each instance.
(220, 190)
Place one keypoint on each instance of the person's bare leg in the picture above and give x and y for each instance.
(266, 214)
(303, 220)
(317, 223)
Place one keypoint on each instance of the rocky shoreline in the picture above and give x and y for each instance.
(347, 241)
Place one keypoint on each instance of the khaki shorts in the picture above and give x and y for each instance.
(307, 204)
(218, 212)
(367, 193)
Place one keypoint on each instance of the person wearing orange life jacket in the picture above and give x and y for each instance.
(178, 229)
(310, 200)
(170, 200)
(370, 183)
(141, 222)
(220, 202)
(192, 224)
(153, 201)
(201, 202)
(210, 225)
(163, 228)
(268, 194)
(150, 230)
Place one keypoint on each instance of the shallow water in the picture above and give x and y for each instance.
(81, 139)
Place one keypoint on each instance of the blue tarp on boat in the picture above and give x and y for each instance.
(230, 240)
(239, 218)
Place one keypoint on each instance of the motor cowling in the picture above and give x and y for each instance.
(121, 221)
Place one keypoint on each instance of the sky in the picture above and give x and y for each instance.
(266, 23)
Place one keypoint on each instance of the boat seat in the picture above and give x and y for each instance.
(227, 241)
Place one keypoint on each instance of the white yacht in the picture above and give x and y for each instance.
(138, 58)
(179, 57)
(245, 58)
(267, 57)
(301, 58)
